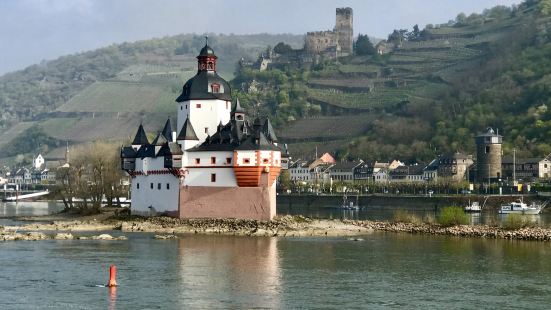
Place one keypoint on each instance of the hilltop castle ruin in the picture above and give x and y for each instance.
(335, 43)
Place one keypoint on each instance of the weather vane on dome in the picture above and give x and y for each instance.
(207, 39)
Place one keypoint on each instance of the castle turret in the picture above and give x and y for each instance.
(488, 156)
(140, 139)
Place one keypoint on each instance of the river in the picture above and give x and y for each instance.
(385, 270)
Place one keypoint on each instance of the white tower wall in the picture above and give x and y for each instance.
(205, 115)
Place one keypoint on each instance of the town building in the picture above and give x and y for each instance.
(526, 169)
(409, 173)
(344, 171)
(217, 163)
(454, 166)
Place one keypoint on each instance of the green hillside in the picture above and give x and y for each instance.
(104, 94)
(429, 94)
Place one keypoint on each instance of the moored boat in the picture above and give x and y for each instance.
(473, 207)
(519, 207)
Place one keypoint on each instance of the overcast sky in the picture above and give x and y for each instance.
(33, 30)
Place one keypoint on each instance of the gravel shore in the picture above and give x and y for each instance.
(285, 226)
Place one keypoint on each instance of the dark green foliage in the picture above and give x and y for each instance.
(282, 48)
(516, 222)
(364, 46)
(32, 140)
(453, 216)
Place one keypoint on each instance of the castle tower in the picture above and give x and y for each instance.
(488, 155)
(206, 98)
(344, 30)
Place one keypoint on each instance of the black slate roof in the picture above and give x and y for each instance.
(141, 137)
(170, 148)
(167, 131)
(159, 139)
(128, 152)
(207, 51)
(198, 87)
(187, 132)
(238, 135)
(236, 108)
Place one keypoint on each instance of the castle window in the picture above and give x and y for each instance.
(197, 161)
(265, 160)
(198, 106)
(167, 185)
(210, 65)
(487, 149)
(213, 177)
(138, 185)
(228, 160)
(206, 130)
(151, 185)
(215, 88)
(246, 161)
(213, 160)
(181, 108)
(158, 186)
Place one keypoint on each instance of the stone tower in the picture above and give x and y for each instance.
(344, 30)
(488, 156)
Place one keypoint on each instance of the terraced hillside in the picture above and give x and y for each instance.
(430, 92)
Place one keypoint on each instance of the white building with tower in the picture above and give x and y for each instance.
(216, 163)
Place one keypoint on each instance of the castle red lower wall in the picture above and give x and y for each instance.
(256, 203)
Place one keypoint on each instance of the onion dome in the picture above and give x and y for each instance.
(206, 84)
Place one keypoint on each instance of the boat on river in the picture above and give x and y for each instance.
(473, 207)
(349, 205)
(519, 207)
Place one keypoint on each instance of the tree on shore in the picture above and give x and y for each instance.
(92, 173)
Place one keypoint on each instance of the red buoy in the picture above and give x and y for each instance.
(112, 276)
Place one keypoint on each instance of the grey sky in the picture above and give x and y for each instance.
(33, 30)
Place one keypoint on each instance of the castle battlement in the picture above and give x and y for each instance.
(340, 40)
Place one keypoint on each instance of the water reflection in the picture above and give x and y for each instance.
(239, 271)
(32, 208)
(112, 297)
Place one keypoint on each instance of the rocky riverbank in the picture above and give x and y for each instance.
(286, 226)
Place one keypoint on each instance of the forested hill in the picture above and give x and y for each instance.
(431, 92)
(104, 93)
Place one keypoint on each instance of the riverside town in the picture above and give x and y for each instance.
(171, 159)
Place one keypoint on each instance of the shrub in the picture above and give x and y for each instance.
(452, 216)
(403, 216)
(516, 221)
(429, 219)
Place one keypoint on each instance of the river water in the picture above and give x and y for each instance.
(385, 270)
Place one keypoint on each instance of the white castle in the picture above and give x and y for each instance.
(217, 164)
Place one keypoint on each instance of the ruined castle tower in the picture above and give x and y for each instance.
(488, 155)
(344, 30)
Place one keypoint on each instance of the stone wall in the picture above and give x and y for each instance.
(318, 41)
(255, 203)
